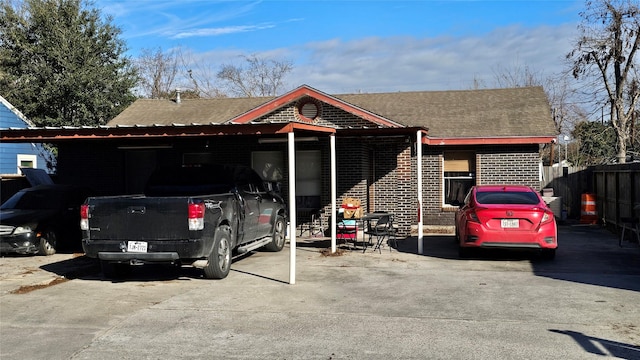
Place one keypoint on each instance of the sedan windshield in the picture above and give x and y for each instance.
(507, 197)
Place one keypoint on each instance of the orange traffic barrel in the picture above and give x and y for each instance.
(588, 212)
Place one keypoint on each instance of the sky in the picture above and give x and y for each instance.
(357, 46)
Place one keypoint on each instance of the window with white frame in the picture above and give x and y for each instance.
(459, 175)
(26, 161)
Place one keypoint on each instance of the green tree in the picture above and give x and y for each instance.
(604, 55)
(597, 143)
(62, 63)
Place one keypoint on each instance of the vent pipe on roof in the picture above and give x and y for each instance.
(177, 96)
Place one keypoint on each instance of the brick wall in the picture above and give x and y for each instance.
(432, 167)
(330, 116)
(513, 165)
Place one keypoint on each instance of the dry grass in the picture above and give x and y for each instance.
(29, 288)
(327, 252)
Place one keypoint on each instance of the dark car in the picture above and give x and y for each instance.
(198, 215)
(42, 219)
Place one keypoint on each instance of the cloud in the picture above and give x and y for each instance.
(219, 31)
(378, 64)
(178, 20)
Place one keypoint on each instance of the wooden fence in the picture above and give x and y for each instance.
(569, 183)
(616, 189)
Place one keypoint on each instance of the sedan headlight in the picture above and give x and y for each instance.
(24, 229)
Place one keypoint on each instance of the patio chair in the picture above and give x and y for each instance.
(346, 229)
(382, 230)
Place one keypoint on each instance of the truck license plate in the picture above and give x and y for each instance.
(510, 223)
(137, 246)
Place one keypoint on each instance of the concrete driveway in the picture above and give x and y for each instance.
(390, 305)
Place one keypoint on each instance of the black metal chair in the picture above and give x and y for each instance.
(380, 230)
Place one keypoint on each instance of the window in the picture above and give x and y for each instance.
(458, 177)
(268, 164)
(27, 161)
(308, 173)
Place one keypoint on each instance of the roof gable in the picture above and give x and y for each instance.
(13, 117)
(305, 91)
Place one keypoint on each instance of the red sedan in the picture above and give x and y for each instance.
(506, 216)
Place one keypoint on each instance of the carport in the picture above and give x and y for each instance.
(140, 137)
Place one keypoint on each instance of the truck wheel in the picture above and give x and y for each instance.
(277, 242)
(48, 243)
(114, 270)
(219, 262)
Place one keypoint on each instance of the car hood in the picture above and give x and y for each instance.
(17, 217)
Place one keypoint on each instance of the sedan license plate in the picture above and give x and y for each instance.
(137, 246)
(510, 223)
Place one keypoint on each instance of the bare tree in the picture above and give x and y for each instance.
(158, 70)
(567, 110)
(605, 50)
(202, 81)
(259, 76)
(517, 76)
(557, 89)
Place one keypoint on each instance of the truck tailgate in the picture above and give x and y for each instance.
(138, 218)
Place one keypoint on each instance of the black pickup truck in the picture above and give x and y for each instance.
(192, 215)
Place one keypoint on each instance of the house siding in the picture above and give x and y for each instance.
(9, 152)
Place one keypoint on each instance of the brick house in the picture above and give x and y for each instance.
(463, 138)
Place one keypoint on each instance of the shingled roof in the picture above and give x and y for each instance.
(189, 111)
(467, 113)
(513, 112)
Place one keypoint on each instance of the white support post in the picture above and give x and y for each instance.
(334, 235)
(419, 171)
(292, 208)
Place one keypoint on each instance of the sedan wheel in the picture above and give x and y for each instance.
(48, 243)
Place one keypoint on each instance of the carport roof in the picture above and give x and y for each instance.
(57, 134)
